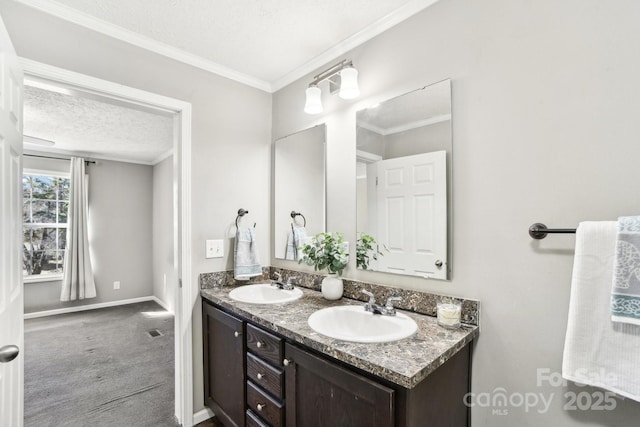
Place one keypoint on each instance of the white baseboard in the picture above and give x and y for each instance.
(162, 304)
(92, 307)
(201, 416)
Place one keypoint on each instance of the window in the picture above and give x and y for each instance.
(45, 206)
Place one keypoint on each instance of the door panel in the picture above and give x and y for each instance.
(411, 213)
(11, 305)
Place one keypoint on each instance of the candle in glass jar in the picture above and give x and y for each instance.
(449, 315)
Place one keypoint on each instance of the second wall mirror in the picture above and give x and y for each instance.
(403, 189)
(299, 190)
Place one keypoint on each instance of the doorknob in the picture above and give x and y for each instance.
(8, 353)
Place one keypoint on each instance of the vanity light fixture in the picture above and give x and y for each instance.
(342, 77)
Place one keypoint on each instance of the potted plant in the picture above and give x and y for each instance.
(328, 251)
(366, 249)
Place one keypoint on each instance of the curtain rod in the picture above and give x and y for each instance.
(86, 162)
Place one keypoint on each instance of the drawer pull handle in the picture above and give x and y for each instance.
(260, 376)
(260, 406)
(259, 344)
(286, 362)
(236, 334)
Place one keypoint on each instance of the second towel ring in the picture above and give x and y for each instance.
(294, 214)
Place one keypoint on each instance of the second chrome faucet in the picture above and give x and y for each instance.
(372, 307)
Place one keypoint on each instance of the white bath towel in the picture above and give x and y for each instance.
(597, 351)
(625, 293)
(245, 255)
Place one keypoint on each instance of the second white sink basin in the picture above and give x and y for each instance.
(353, 323)
(264, 293)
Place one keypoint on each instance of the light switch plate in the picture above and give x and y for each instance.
(214, 249)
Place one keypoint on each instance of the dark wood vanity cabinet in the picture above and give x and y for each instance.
(224, 378)
(255, 378)
(320, 393)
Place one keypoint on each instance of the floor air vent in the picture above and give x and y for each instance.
(154, 333)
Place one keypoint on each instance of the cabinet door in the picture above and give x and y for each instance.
(223, 365)
(319, 393)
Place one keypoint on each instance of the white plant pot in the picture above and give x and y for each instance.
(332, 287)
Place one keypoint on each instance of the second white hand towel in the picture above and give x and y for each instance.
(597, 351)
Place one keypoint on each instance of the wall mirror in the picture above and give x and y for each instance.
(404, 151)
(299, 190)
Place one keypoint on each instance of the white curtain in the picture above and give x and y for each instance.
(77, 282)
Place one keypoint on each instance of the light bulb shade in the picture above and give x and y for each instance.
(314, 100)
(349, 83)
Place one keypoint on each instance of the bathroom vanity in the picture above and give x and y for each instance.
(264, 366)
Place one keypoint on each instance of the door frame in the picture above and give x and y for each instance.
(185, 290)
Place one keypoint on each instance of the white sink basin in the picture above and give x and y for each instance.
(264, 293)
(353, 323)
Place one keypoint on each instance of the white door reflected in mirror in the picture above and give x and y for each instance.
(404, 156)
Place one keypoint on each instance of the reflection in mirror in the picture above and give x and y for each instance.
(403, 166)
(299, 190)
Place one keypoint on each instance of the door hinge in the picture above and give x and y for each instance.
(376, 181)
(180, 283)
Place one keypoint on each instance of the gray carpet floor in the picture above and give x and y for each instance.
(100, 368)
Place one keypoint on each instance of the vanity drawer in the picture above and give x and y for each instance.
(265, 406)
(264, 345)
(254, 421)
(264, 375)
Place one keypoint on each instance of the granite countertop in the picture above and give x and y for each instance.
(405, 362)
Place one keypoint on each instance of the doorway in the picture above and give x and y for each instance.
(183, 286)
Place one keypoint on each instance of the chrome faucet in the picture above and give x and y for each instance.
(280, 285)
(372, 307)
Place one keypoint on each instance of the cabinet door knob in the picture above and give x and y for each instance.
(236, 334)
(259, 344)
(286, 362)
(259, 376)
(260, 406)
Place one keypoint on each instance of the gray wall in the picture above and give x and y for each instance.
(545, 103)
(120, 202)
(231, 129)
(164, 272)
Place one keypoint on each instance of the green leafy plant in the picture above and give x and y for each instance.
(366, 249)
(326, 251)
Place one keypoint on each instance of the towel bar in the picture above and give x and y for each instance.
(540, 231)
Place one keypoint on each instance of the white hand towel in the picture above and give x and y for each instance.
(625, 294)
(296, 239)
(597, 351)
(245, 256)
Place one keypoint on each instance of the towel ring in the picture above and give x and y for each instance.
(241, 213)
(294, 214)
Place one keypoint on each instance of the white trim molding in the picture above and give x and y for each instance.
(90, 22)
(381, 25)
(203, 415)
(77, 308)
(187, 293)
(108, 29)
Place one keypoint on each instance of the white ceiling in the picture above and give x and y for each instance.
(263, 43)
(83, 124)
(266, 44)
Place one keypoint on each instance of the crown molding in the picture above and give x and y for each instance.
(362, 36)
(85, 20)
(92, 23)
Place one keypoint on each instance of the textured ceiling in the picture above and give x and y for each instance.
(413, 109)
(96, 128)
(273, 42)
